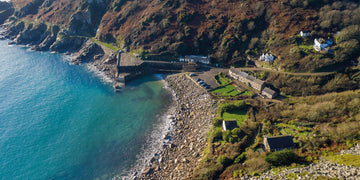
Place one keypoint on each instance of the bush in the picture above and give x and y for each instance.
(224, 160)
(236, 131)
(350, 32)
(227, 136)
(281, 158)
(218, 134)
(217, 121)
(241, 158)
(209, 173)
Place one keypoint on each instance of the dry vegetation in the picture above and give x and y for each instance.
(320, 125)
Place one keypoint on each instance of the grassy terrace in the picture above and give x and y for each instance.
(226, 88)
(238, 114)
(108, 45)
(222, 80)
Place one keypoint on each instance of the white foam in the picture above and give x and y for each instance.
(99, 74)
(160, 137)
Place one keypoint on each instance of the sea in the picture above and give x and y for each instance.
(64, 121)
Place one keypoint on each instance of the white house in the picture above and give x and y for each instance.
(267, 57)
(304, 33)
(320, 44)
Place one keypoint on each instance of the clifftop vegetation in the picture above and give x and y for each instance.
(227, 30)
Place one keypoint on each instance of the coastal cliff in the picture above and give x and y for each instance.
(230, 32)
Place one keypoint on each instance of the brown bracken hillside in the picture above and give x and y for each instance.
(230, 31)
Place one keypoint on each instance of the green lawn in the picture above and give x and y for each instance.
(222, 80)
(228, 90)
(247, 93)
(310, 47)
(239, 115)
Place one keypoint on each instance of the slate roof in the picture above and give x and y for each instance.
(280, 142)
(251, 78)
(258, 81)
(234, 70)
(230, 125)
(269, 91)
(243, 74)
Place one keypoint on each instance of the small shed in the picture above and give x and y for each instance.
(229, 125)
(277, 143)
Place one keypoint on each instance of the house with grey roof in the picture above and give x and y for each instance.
(277, 143)
(229, 125)
(248, 79)
(196, 59)
(269, 93)
(258, 84)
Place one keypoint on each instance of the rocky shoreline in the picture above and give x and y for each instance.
(195, 108)
(191, 122)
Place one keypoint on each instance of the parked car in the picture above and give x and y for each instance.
(191, 74)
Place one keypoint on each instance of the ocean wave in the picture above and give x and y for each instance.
(99, 74)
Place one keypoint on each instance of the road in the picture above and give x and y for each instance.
(290, 73)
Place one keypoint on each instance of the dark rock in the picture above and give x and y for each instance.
(49, 40)
(111, 59)
(88, 51)
(12, 29)
(6, 10)
(33, 34)
(29, 8)
(67, 43)
(80, 22)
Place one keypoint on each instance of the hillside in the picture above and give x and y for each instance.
(234, 33)
(227, 30)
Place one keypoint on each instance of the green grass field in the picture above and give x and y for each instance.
(247, 93)
(222, 80)
(228, 90)
(239, 115)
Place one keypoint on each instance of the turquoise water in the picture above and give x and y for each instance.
(60, 121)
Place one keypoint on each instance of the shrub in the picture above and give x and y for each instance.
(241, 158)
(280, 158)
(217, 121)
(208, 173)
(223, 160)
(350, 32)
(227, 136)
(236, 131)
(185, 17)
(217, 134)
